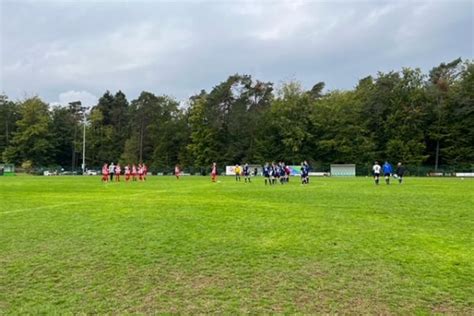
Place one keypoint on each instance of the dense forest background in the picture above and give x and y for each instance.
(419, 119)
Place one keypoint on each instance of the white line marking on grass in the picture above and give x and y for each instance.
(40, 207)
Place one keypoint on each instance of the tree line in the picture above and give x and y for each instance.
(406, 115)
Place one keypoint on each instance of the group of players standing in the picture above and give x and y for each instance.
(134, 173)
(388, 172)
(245, 171)
(272, 173)
(279, 172)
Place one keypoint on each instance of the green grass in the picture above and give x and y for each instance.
(339, 245)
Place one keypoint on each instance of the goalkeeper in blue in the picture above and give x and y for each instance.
(387, 171)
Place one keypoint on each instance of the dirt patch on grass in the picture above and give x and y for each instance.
(180, 292)
(450, 309)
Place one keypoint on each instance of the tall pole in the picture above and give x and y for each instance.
(76, 108)
(73, 160)
(438, 136)
(84, 145)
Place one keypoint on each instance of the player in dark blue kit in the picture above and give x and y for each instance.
(266, 173)
(400, 172)
(281, 172)
(304, 173)
(276, 172)
(246, 173)
(281, 164)
(308, 169)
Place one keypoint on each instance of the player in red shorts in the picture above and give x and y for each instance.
(144, 171)
(127, 173)
(134, 173)
(177, 171)
(140, 172)
(118, 170)
(214, 172)
(105, 173)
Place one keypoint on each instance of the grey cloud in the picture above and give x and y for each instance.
(54, 48)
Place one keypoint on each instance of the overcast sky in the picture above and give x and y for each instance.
(69, 50)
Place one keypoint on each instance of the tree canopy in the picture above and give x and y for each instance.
(401, 115)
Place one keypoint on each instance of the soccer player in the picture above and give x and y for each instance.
(111, 171)
(105, 173)
(127, 173)
(144, 171)
(134, 172)
(308, 168)
(387, 171)
(287, 173)
(237, 170)
(304, 173)
(247, 172)
(177, 172)
(275, 172)
(279, 172)
(376, 170)
(282, 172)
(140, 172)
(118, 170)
(214, 172)
(400, 172)
(266, 173)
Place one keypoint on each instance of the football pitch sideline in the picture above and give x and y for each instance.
(337, 245)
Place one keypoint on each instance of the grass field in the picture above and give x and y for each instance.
(75, 245)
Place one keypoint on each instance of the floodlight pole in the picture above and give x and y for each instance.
(84, 145)
(76, 107)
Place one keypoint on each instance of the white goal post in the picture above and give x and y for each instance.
(343, 170)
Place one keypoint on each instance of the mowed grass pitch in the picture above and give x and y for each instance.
(74, 244)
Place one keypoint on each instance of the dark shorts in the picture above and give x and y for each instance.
(376, 174)
(386, 174)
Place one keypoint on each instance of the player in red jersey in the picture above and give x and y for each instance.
(127, 173)
(140, 172)
(118, 170)
(134, 173)
(105, 173)
(144, 171)
(177, 172)
(214, 172)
